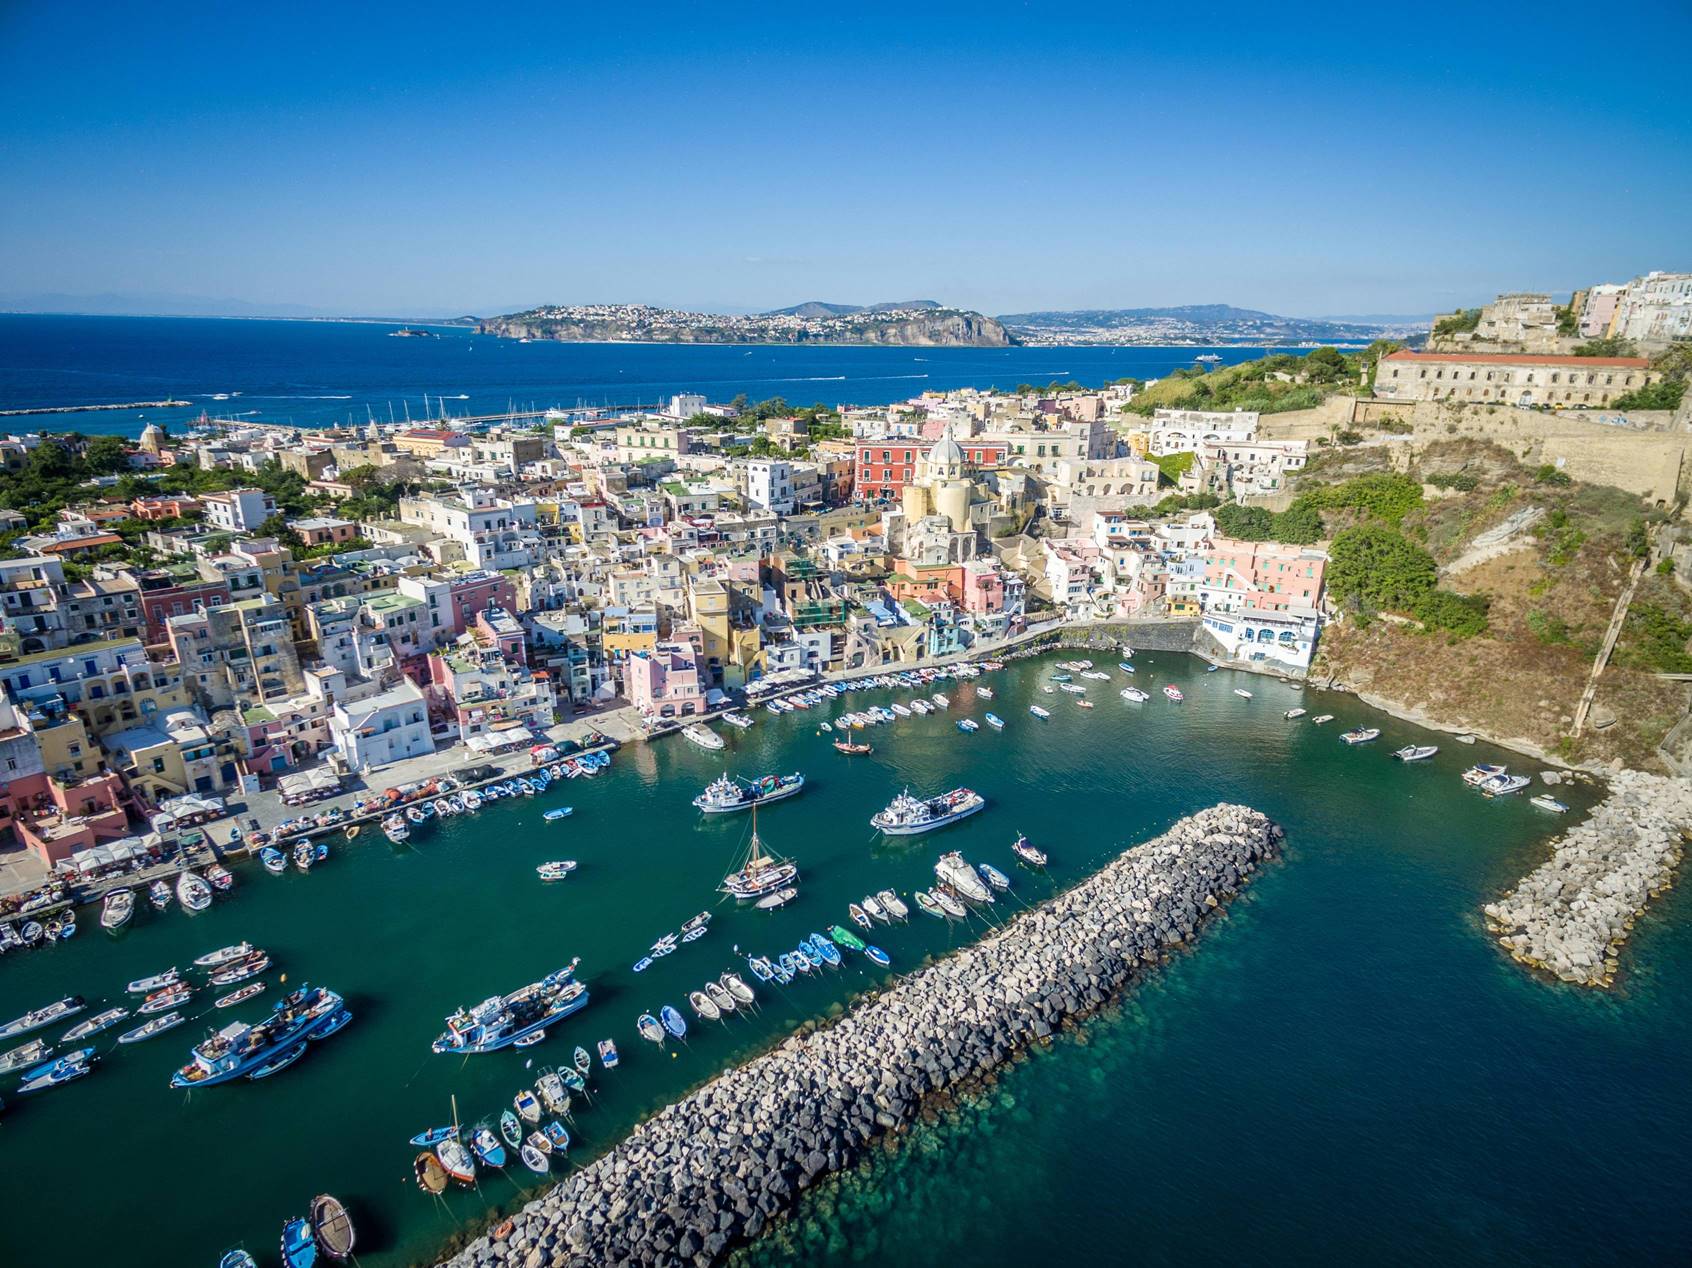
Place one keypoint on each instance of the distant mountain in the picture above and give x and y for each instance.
(917, 325)
(1194, 324)
(816, 308)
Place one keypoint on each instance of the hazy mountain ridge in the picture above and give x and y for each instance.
(1196, 324)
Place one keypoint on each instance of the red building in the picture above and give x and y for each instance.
(164, 596)
(885, 467)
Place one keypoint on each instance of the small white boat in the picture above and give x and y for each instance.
(769, 902)
(703, 737)
(1320, 718)
(1362, 735)
(222, 956)
(1416, 752)
(1134, 695)
(156, 1026)
(701, 1004)
(193, 892)
(1294, 713)
(157, 982)
(1242, 693)
(1038, 712)
(1545, 801)
(117, 909)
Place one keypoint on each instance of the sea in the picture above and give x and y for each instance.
(322, 373)
(1343, 1068)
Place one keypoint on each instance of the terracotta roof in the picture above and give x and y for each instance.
(1520, 358)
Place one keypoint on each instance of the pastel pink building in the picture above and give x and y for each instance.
(665, 682)
(1242, 576)
(983, 587)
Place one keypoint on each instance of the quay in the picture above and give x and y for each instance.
(88, 409)
(1570, 916)
(714, 1169)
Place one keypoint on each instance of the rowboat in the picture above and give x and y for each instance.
(431, 1176)
(456, 1161)
(608, 1054)
(860, 917)
(527, 1107)
(702, 1005)
(298, 1247)
(434, 1136)
(846, 938)
(649, 1028)
(993, 876)
(584, 1062)
(331, 1226)
(510, 1128)
(877, 956)
(721, 998)
(673, 1021)
(737, 987)
(925, 901)
(892, 905)
(769, 902)
(275, 862)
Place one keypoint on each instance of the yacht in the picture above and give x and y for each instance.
(955, 870)
(727, 794)
(703, 736)
(240, 1050)
(117, 909)
(760, 873)
(907, 815)
(502, 1020)
(1503, 785)
(1480, 772)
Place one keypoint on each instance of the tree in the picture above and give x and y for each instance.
(1377, 565)
(50, 460)
(1248, 523)
(106, 455)
(1299, 525)
(1606, 347)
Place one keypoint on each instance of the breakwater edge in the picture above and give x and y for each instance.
(711, 1170)
(1571, 915)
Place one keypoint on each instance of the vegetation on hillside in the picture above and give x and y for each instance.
(1461, 322)
(1269, 385)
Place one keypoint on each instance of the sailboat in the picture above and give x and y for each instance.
(760, 872)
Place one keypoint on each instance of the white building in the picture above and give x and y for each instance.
(493, 532)
(1282, 638)
(238, 510)
(386, 727)
(769, 485)
(686, 405)
(1185, 430)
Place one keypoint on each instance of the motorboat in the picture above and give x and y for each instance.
(1027, 853)
(1415, 752)
(193, 892)
(1174, 693)
(608, 1054)
(240, 1050)
(158, 894)
(118, 907)
(237, 1258)
(703, 736)
(892, 905)
(1480, 772)
(1321, 719)
(993, 876)
(46, 1015)
(1242, 693)
(222, 956)
(94, 1025)
(1038, 712)
(1362, 735)
(995, 721)
(726, 794)
(968, 726)
(760, 873)
(873, 909)
(154, 1026)
(1290, 714)
(550, 1088)
(927, 903)
(947, 904)
(738, 720)
(239, 997)
(560, 812)
(1134, 694)
(157, 982)
(30, 1054)
(1084, 704)
(860, 917)
(877, 956)
(955, 870)
(332, 1227)
(556, 870)
(71, 1066)
(501, 1020)
(649, 1029)
(241, 970)
(1545, 801)
(221, 878)
(907, 815)
(1504, 785)
(393, 827)
(769, 902)
(822, 950)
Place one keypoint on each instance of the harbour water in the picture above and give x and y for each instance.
(317, 373)
(1343, 1068)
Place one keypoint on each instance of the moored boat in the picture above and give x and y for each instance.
(1362, 735)
(892, 905)
(1321, 719)
(27, 1055)
(556, 870)
(1027, 853)
(224, 955)
(274, 861)
(193, 892)
(1415, 752)
(673, 1022)
(701, 1003)
(703, 736)
(298, 1247)
(1480, 772)
(489, 1152)
(956, 871)
(67, 1069)
(993, 876)
(241, 996)
(46, 1015)
(907, 815)
(158, 894)
(501, 1020)
(1504, 785)
(1294, 713)
(154, 1026)
(533, 1159)
(256, 1051)
(157, 982)
(431, 1176)
(331, 1226)
(1038, 712)
(726, 794)
(1174, 693)
(94, 1025)
(118, 907)
(456, 1161)
(1545, 801)
(759, 874)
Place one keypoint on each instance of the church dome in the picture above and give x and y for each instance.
(946, 458)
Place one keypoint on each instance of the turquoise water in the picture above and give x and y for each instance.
(1345, 1067)
(317, 373)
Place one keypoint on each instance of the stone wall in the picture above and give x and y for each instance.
(713, 1169)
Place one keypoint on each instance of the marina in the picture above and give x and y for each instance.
(401, 977)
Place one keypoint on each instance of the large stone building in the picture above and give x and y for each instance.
(1510, 378)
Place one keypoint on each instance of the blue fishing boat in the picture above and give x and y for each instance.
(253, 1051)
(275, 862)
(488, 1149)
(995, 721)
(299, 1247)
(782, 967)
(557, 1135)
(572, 1080)
(553, 816)
(608, 1054)
(673, 1021)
(642, 964)
(877, 955)
(827, 950)
(510, 1128)
(1125, 667)
(434, 1136)
(760, 967)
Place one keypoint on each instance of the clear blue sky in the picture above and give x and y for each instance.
(375, 158)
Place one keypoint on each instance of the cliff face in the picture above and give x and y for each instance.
(941, 328)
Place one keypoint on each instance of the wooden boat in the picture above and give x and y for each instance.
(851, 749)
(846, 938)
(489, 1152)
(720, 997)
(456, 1161)
(584, 1062)
(275, 862)
(537, 1140)
(573, 1081)
(237, 1258)
(529, 1040)
(331, 1226)
(892, 904)
(769, 902)
(673, 1021)
(877, 956)
(221, 877)
(510, 1128)
(556, 1135)
(527, 1107)
(860, 917)
(534, 1159)
(925, 901)
(241, 996)
(737, 987)
(434, 1136)
(608, 1054)
(431, 1176)
(298, 1247)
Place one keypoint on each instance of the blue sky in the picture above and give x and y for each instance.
(409, 159)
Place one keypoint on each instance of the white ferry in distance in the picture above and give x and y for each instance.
(501, 1020)
(906, 815)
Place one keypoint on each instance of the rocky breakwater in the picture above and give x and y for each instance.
(1570, 915)
(714, 1168)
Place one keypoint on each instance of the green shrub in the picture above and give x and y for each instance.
(1549, 474)
(1375, 564)
(1461, 481)
(1656, 639)
(1548, 629)
(1460, 615)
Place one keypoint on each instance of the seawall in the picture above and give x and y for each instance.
(1570, 915)
(713, 1169)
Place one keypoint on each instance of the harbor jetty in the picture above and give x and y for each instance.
(713, 1169)
(1570, 916)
